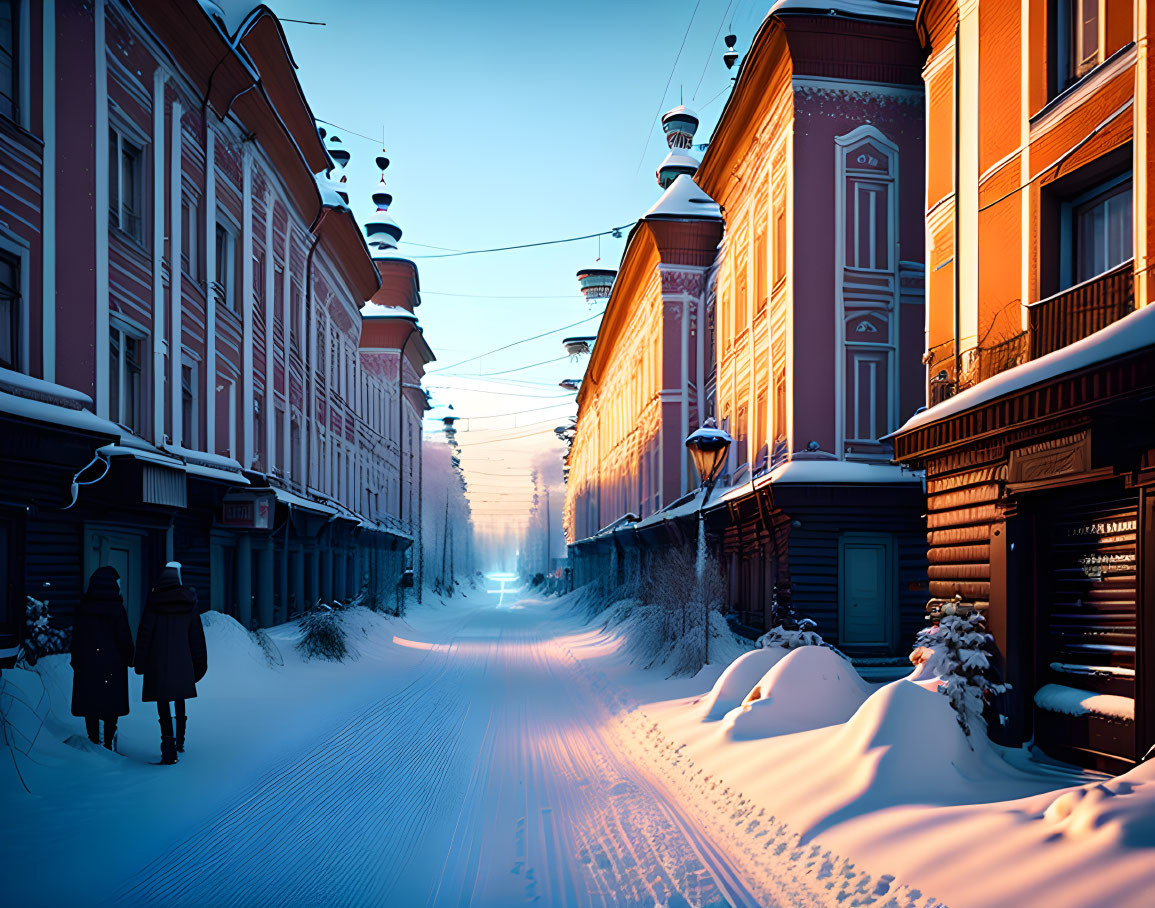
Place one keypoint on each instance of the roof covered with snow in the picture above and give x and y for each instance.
(381, 310)
(684, 199)
(1130, 334)
(330, 197)
(903, 10)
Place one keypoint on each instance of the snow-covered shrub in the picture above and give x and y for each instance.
(322, 636)
(42, 639)
(959, 647)
(270, 650)
(805, 633)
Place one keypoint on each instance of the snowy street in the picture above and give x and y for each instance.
(481, 772)
(483, 780)
(495, 750)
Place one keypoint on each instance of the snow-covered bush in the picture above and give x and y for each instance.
(662, 611)
(322, 636)
(42, 639)
(959, 648)
(805, 633)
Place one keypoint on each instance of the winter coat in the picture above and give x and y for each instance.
(101, 649)
(170, 642)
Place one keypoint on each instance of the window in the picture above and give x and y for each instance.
(124, 384)
(867, 405)
(9, 58)
(259, 277)
(760, 267)
(279, 294)
(258, 430)
(225, 279)
(188, 405)
(741, 436)
(279, 433)
(295, 323)
(1102, 231)
(1080, 34)
(741, 302)
(10, 306)
(190, 236)
(125, 185)
(779, 403)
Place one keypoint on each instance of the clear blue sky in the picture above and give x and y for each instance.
(506, 123)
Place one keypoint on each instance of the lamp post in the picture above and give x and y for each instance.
(708, 447)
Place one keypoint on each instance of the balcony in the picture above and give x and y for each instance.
(1082, 310)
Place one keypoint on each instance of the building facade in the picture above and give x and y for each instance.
(1039, 444)
(817, 297)
(181, 373)
(806, 336)
(639, 397)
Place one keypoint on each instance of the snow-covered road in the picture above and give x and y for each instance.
(488, 777)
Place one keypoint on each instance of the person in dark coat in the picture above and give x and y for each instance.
(171, 654)
(101, 656)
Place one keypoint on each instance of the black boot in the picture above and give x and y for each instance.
(167, 744)
(181, 722)
(92, 726)
(110, 734)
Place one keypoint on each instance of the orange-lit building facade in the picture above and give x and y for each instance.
(806, 342)
(639, 397)
(1039, 445)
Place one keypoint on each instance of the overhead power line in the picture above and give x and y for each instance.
(669, 79)
(544, 362)
(524, 340)
(497, 296)
(568, 239)
(710, 52)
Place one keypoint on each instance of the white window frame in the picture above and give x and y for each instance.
(119, 325)
(1068, 239)
(190, 234)
(226, 292)
(19, 250)
(127, 134)
(192, 362)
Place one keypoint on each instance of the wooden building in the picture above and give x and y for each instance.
(182, 296)
(1040, 444)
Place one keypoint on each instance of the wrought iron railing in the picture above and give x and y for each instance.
(1082, 310)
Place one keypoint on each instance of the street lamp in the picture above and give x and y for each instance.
(708, 448)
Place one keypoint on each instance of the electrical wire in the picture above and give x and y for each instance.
(710, 54)
(495, 296)
(515, 343)
(669, 79)
(501, 393)
(544, 362)
(570, 239)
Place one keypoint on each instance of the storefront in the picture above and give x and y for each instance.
(1041, 513)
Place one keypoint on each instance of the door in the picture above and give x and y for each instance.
(121, 551)
(1085, 695)
(866, 606)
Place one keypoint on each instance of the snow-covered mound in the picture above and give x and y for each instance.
(738, 680)
(227, 640)
(809, 687)
(1120, 811)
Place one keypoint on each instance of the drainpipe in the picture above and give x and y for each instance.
(310, 382)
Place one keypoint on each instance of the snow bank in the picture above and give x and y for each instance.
(810, 687)
(737, 681)
(1070, 701)
(1121, 811)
